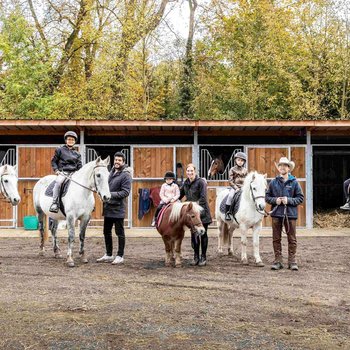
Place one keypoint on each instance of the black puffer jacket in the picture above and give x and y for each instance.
(119, 185)
(196, 191)
(66, 159)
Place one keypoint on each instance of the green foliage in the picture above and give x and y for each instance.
(254, 59)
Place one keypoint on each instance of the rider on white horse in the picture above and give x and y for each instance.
(65, 161)
(237, 175)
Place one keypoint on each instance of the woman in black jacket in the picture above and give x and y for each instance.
(195, 190)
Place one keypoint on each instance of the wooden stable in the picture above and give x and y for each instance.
(158, 146)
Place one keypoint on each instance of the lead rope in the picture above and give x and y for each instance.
(285, 217)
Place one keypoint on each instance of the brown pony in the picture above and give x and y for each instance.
(216, 167)
(175, 218)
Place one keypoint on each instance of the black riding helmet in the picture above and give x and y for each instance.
(241, 155)
(169, 175)
(71, 134)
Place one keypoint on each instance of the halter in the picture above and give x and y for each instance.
(264, 213)
(2, 187)
(81, 185)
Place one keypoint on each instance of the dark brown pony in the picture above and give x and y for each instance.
(216, 167)
(172, 228)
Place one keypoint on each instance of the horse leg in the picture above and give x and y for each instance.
(167, 245)
(256, 239)
(221, 229)
(41, 217)
(178, 260)
(83, 225)
(244, 258)
(53, 229)
(71, 234)
(231, 229)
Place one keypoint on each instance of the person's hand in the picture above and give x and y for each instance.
(57, 172)
(172, 200)
(285, 200)
(279, 200)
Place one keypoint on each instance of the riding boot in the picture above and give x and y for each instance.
(228, 212)
(204, 245)
(55, 206)
(195, 245)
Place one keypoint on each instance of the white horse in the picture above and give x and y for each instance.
(250, 214)
(78, 204)
(9, 184)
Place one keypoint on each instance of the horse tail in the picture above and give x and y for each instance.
(225, 234)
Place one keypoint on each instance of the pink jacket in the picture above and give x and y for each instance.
(169, 192)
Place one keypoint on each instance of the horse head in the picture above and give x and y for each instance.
(192, 218)
(216, 167)
(9, 184)
(101, 175)
(257, 189)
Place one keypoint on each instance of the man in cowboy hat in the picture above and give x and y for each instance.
(284, 194)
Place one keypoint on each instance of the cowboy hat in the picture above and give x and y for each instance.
(285, 160)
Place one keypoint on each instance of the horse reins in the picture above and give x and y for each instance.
(264, 213)
(81, 185)
(3, 188)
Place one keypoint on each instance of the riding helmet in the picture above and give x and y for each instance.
(241, 155)
(71, 134)
(169, 175)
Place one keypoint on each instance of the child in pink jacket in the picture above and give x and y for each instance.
(169, 193)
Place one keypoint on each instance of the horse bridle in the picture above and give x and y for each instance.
(264, 213)
(3, 188)
(81, 185)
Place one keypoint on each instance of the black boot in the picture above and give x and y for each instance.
(195, 260)
(55, 206)
(202, 261)
(228, 213)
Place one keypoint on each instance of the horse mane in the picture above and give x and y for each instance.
(177, 207)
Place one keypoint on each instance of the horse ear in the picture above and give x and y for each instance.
(190, 206)
(98, 159)
(107, 161)
(15, 168)
(5, 168)
(265, 176)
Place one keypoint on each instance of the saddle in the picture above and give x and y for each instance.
(63, 191)
(234, 205)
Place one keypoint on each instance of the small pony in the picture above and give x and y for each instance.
(175, 218)
(250, 214)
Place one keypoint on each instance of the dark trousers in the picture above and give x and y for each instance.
(119, 231)
(346, 188)
(201, 241)
(290, 228)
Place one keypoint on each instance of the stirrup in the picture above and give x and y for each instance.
(54, 208)
(228, 216)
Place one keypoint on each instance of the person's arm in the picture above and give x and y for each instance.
(55, 159)
(79, 163)
(202, 201)
(270, 197)
(182, 192)
(162, 195)
(125, 189)
(177, 193)
(298, 197)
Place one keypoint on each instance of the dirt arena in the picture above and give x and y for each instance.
(144, 305)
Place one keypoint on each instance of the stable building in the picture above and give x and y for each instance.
(320, 150)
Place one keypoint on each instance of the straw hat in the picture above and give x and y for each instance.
(285, 160)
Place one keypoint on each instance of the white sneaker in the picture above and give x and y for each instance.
(106, 258)
(118, 260)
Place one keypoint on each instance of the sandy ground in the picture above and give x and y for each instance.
(144, 305)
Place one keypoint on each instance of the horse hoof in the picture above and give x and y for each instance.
(245, 262)
(41, 253)
(70, 263)
(58, 256)
(179, 264)
(230, 253)
(84, 261)
(167, 264)
(259, 264)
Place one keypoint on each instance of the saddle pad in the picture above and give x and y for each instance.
(235, 203)
(64, 189)
(160, 215)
